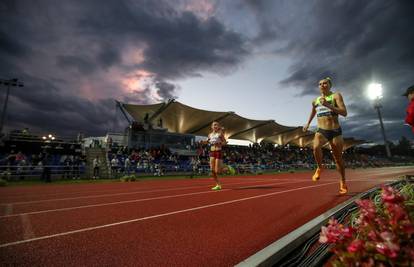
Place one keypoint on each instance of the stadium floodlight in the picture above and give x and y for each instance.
(375, 93)
(9, 83)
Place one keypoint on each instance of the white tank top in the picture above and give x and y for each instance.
(215, 138)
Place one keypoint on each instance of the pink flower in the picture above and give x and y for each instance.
(388, 247)
(389, 195)
(387, 250)
(347, 232)
(387, 236)
(356, 246)
(331, 233)
(367, 209)
(397, 213)
(373, 235)
(323, 237)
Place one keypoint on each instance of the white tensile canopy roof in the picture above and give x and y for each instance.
(180, 118)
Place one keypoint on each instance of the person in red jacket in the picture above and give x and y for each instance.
(409, 119)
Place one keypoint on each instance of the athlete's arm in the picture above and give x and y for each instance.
(222, 137)
(205, 142)
(341, 108)
(311, 116)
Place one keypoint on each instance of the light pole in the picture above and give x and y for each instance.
(9, 83)
(375, 93)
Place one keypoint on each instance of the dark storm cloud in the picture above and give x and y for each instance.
(165, 90)
(11, 46)
(72, 51)
(72, 62)
(355, 42)
(177, 44)
(43, 107)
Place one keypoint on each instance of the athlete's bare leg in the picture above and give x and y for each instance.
(337, 148)
(318, 141)
(213, 169)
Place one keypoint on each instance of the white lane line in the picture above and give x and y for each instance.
(159, 215)
(247, 177)
(120, 190)
(122, 194)
(27, 228)
(140, 200)
(108, 204)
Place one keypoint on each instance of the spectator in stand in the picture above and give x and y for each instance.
(114, 166)
(76, 167)
(20, 156)
(11, 158)
(109, 143)
(409, 119)
(67, 165)
(79, 138)
(46, 173)
(21, 169)
(127, 166)
(96, 165)
(135, 156)
(195, 163)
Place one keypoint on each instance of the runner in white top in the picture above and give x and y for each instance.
(217, 140)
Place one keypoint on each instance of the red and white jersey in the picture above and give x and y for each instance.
(215, 138)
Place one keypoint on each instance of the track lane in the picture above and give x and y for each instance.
(20, 227)
(221, 235)
(47, 192)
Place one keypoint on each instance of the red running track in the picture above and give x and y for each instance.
(166, 223)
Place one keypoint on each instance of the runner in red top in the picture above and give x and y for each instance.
(409, 119)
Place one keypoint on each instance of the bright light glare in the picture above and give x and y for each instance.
(375, 91)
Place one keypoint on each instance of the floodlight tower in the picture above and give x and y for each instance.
(375, 94)
(9, 83)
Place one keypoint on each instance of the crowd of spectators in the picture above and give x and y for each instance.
(20, 165)
(155, 160)
(160, 160)
(246, 159)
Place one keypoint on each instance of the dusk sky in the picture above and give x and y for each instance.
(260, 59)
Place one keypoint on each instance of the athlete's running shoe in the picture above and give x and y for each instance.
(232, 171)
(217, 187)
(317, 174)
(343, 189)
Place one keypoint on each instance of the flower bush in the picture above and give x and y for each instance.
(380, 233)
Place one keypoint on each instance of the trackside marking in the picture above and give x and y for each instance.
(137, 200)
(159, 215)
(122, 194)
(8, 215)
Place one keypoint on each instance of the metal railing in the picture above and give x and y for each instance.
(17, 172)
(31, 172)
